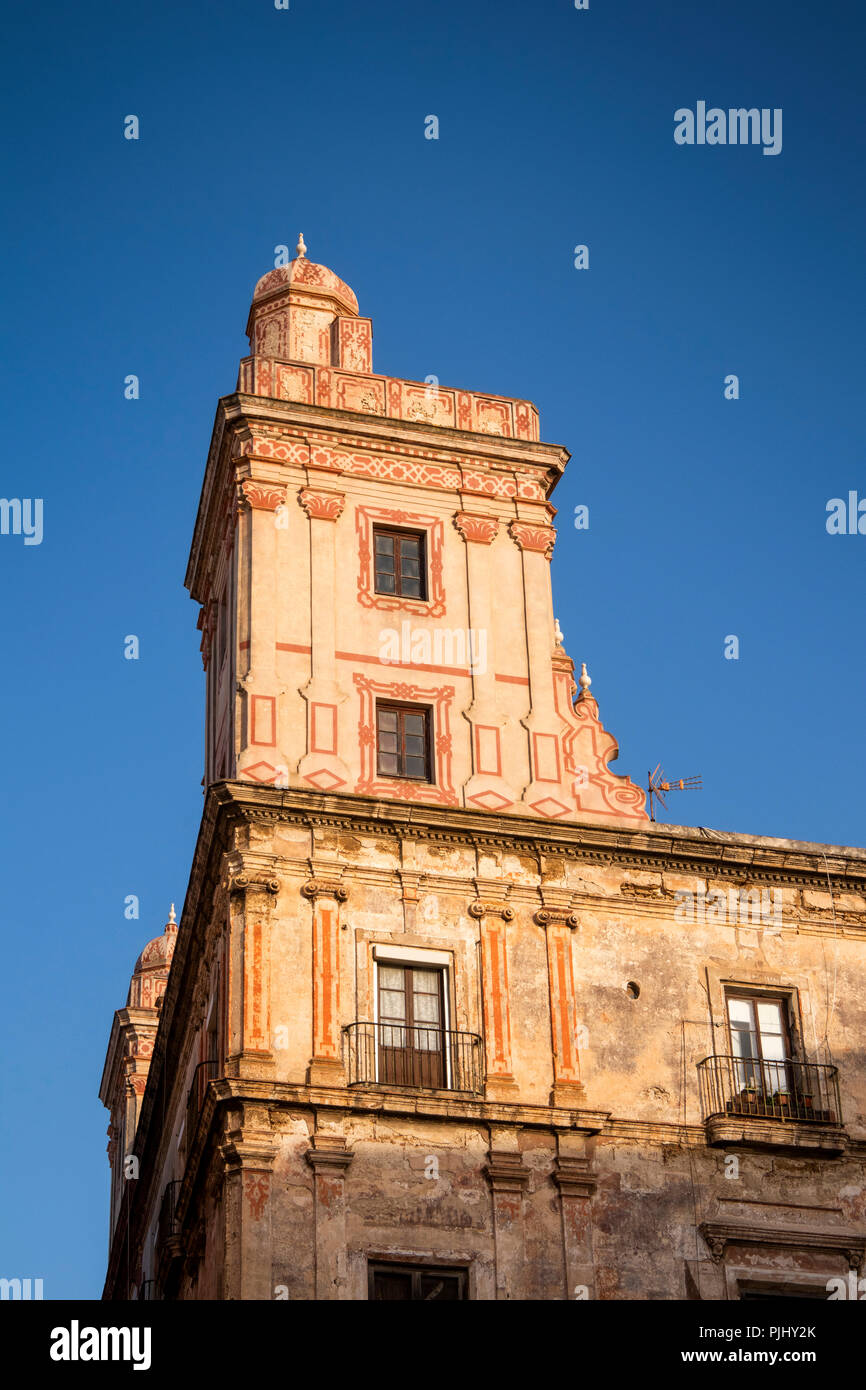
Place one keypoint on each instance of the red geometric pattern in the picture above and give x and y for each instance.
(441, 698)
(365, 517)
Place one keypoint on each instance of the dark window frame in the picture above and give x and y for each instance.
(401, 709)
(416, 1272)
(399, 534)
(411, 1064)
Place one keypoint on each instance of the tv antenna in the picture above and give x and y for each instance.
(658, 787)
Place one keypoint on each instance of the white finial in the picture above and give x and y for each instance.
(171, 921)
(301, 249)
(584, 681)
(558, 633)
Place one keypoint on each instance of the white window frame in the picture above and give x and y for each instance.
(418, 956)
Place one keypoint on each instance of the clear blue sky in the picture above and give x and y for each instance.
(707, 516)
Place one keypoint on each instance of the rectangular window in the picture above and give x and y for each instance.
(400, 563)
(403, 742)
(760, 1044)
(411, 1038)
(399, 1282)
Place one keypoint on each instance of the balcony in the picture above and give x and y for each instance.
(168, 1226)
(416, 1057)
(204, 1073)
(771, 1104)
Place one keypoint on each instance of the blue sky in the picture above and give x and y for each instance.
(707, 516)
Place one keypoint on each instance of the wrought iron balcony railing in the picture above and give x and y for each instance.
(771, 1090)
(167, 1225)
(204, 1072)
(420, 1056)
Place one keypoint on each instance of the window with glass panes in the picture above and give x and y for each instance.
(404, 1283)
(403, 742)
(400, 564)
(759, 1042)
(410, 1041)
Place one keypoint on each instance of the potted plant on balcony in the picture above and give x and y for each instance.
(783, 1100)
(749, 1099)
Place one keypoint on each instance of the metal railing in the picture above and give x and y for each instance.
(204, 1072)
(150, 1291)
(168, 1225)
(773, 1090)
(420, 1056)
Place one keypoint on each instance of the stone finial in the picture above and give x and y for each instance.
(172, 922)
(300, 249)
(558, 635)
(584, 681)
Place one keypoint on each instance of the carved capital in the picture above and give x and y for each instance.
(555, 916)
(480, 907)
(473, 527)
(247, 880)
(529, 537)
(324, 888)
(505, 1172)
(320, 505)
(329, 1156)
(261, 496)
(574, 1177)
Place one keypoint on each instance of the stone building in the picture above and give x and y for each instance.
(448, 1015)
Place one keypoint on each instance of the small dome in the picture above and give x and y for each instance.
(157, 953)
(152, 967)
(310, 278)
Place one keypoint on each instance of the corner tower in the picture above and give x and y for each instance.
(372, 557)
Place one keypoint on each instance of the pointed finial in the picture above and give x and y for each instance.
(171, 921)
(584, 681)
(558, 635)
(301, 249)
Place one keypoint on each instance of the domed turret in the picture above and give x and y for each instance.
(301, 313)
(150, 976)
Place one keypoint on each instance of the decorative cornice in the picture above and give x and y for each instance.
(719, 1234)
(536, 538)
(320, 505)
(474, 527)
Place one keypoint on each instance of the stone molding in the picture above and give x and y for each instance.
(719, 1234)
